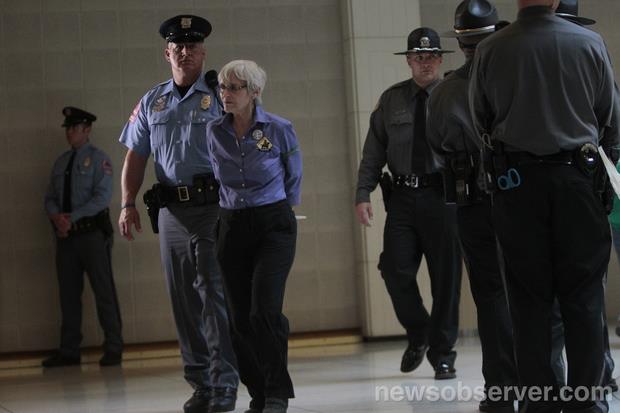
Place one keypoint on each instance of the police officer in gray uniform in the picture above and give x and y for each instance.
(569, 10)
(541, 94)
(418, 221)
(170, 123)
(77, 202)
(453, 139)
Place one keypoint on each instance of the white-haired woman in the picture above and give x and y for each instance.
(256, 159)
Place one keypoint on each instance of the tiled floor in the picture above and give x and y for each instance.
(334, 379)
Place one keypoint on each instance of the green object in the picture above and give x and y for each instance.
(614, 217)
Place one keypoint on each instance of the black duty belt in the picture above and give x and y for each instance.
(521, 158)
(417, 181)
(89, 224)
(184, 194)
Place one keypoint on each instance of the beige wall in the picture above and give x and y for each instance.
(102, 55)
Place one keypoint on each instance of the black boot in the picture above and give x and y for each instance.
(199, 402)
(58, 360)
(223, 400)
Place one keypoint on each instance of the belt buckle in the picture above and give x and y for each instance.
(183, 193)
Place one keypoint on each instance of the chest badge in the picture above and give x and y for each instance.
(205, 102)
(87, 162)
(159, 104)
(264, 145)
(257, 134)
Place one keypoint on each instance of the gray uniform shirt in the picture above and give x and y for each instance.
(449, 126)
(542, 84)
(390, 138)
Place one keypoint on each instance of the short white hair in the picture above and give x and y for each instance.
(249, 72)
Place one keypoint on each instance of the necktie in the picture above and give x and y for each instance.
(66, 191)
(420, 151)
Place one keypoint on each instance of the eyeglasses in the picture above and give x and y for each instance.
(177, 48)
(424, 57)
(231, 87)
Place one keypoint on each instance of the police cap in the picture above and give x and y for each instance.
(473, 18)
(75, 116)
(185, 28)
(424, 40)
(569, 10)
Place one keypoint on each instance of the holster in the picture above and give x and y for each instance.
(153, 203)
(459, 180)
(385, 182)
(588, 160)
(493, 163)
(105, 223)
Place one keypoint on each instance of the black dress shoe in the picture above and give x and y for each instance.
(58, 360)
(256, 405)
(412, 358)
(275, 405)
(111, 359)
(199, 402)
(222, 400)
(486, 406)
(444, 371)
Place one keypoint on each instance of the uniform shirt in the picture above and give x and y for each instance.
(262, 167)
(173, 130)
(91, 183)
(390, 138)
(542, 84)
(449, 127)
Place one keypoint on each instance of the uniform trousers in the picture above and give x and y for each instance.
(256, 249)
(194, 281)
(87, 252)
(486, 279)
(418, 224)
(556, 242)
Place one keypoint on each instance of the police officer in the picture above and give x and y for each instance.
(453, 139)
(542, 92)
(169, 123)
(77, 202)
(569, 10)
(418, 221)
(256, 158)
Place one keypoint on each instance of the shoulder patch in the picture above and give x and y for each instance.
(134, 113)
(107, 167)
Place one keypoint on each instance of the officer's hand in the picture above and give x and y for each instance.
(62, 222)
(129, 216)
(364, 214)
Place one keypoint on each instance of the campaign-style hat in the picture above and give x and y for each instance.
(185, 28)
(473, 18)
(424, 40)
(75, 116)
(569, 10)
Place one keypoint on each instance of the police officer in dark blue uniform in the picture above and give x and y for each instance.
(170, 124)
(77, 202)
